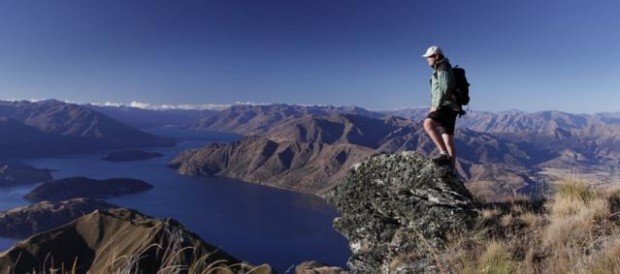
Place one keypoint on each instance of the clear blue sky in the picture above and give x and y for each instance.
(527, 55)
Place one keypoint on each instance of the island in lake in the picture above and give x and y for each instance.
(12, 174)
(131, 155)
(75, 187)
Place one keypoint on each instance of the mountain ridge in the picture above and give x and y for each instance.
(52, 127)
(95, 242)
(510, 153)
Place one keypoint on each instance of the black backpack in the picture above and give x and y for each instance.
(461, 89)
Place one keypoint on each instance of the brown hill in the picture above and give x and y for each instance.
(258, 119)
(22, 222)
(332, 129)
(116, 241)
(300, 166)
(510, 149)
(519, 121)
(312, 154)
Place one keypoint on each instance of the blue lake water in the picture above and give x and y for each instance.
(252, 222)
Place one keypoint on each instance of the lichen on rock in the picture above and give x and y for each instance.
(397, 211)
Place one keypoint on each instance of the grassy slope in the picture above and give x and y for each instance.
(577, 230)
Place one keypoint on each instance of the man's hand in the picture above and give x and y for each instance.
(432, 109)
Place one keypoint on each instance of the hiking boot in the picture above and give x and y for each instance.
(442, 160)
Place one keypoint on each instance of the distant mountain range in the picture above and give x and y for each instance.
(257, 119)
(151, 118)
(313, 153)
(309, 149)
(53, 127)
(254, 119)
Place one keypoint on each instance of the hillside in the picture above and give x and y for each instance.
(22, 222)
(55, 127)
(257, 119)
(498, 153)
(312, 153)
(305, 167)
(119, 240)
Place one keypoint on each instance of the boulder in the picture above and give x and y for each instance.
(398, 212)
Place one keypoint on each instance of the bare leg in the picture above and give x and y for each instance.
(430, 127)
(449, 141)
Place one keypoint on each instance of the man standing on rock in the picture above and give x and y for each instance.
(441, 119)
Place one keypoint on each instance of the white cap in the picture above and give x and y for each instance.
(432, 50)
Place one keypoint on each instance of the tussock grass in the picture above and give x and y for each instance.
(175, 261)
(577, 230)
(495, 259)
(129, 265)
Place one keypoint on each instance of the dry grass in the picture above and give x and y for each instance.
(575, 231)
(129, 264)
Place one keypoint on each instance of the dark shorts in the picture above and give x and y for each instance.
(446, 117)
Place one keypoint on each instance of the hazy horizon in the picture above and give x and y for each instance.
(217, 107)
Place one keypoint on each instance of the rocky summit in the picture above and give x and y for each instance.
(398, 211)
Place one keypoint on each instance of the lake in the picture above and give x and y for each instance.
(254, 223)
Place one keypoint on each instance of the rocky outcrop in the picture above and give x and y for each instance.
(130, 155)
(12, 174)
(75, 187)
(397, 212)
(22, 222)
(119, 241)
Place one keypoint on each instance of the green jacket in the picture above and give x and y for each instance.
(442, 81)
